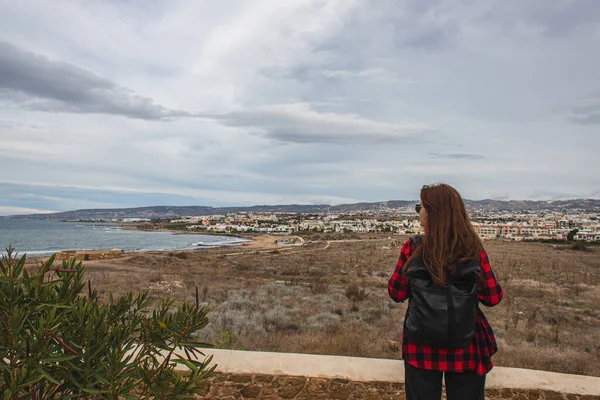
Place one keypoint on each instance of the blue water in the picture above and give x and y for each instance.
(47, 237)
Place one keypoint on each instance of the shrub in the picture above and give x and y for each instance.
(57, 342)
(155, 277)
(181, 255)
(355, 295)
(227, 340)
(579, 246)
(319, 286)
(280, 319)
(370, 315)
(238, 322)
(324, 322)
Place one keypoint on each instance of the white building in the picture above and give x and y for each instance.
(587, 235)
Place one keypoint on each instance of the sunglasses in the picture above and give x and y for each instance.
(418, 208)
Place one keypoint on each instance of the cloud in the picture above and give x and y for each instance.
(38, 83)
(458, 156)
(432, 25)
(20, 198)
(7, 210)
(7, 124)
(559, 19)
(500, 196)
(299, 123)
(587, 112)
(374, 74)
(16, 198)
(296, 100)
(551, 195)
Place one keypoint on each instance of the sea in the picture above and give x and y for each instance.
(39, 238)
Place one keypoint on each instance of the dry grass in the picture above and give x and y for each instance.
(295, 299)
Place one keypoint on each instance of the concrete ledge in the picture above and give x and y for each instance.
(381, 370)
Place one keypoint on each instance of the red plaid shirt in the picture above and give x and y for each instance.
(478, 356)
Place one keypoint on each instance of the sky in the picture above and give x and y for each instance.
(124, 103)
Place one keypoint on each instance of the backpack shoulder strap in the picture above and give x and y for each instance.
(416, 240)
(416, 264)
(468, 267)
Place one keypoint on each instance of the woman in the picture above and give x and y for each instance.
(449, 252)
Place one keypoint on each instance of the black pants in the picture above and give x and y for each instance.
(422, 384)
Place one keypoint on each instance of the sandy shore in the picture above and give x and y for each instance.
(266, 242)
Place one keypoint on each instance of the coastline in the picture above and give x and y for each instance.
(93, 245)
(250, 243)
(259, 241)
(128, 227)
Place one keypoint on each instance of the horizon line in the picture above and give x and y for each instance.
(51, 212)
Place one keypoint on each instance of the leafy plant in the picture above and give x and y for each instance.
(56, 341)
(571, 234)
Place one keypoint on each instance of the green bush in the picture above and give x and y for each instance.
(56, 341)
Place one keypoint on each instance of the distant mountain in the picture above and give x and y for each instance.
(572, 205)
(163, 212)
(381, 207)
(384, 207)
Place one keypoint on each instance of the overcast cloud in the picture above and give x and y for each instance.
(36, 83)
(111, 103)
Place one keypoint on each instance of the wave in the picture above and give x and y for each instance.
(220, 243)
(43, 253)
(42, 241)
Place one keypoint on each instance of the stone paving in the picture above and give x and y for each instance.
(257, 386)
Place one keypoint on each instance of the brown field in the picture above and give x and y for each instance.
(293, 298)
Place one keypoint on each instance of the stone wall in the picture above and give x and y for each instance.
(258, 386)
(267, 375)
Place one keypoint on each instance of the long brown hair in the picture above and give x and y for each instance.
(449, 236)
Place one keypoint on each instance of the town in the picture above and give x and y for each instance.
(507, 226)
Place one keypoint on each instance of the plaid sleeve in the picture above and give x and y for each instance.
(490, 293)
(398, 284)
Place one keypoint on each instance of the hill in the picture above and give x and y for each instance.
(384, 207)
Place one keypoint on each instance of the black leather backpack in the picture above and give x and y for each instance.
(438, 316)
